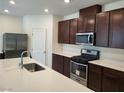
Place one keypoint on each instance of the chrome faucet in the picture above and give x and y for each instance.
(21, 64)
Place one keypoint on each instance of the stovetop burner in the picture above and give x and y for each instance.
(86, 55)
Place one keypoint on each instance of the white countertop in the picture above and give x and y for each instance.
(12, 78)
(66, 53)
(109, 63)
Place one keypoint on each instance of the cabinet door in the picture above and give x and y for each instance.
(109, 82)
(60, 32)
(63, 33)
(89, 23)
(113, 80)
(81, 28)
(73, 31)
(117, 29)
(66, 31)
(102, 29)
(95, 77)
(67, 67)
(86, 24)
(57, 63)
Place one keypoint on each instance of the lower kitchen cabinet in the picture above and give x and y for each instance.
(95, 77)
(113, 80)
(61, 64)
(105, 79)
(57, 63)
(66, 67)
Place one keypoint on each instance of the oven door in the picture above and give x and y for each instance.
(79, 70)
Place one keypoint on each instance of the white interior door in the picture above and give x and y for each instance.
(39, 45)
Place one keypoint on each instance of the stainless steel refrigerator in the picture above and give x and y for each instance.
(14, 44)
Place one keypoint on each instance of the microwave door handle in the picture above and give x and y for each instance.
(88, 38)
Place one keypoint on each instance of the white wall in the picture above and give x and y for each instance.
(56, 46)
(108, 53)
(43, 21)
(12, 24)
(9, 24)
(115, 5)
(71, 16)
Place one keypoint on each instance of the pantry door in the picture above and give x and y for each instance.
(39, 45)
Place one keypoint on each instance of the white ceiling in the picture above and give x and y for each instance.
(56, 7)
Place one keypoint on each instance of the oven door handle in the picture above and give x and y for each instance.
(78, 63)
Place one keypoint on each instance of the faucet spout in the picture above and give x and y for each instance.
(22, 54)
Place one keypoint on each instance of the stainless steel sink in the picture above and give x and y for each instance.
(33, 67)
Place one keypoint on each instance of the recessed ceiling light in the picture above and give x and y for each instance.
(46, 10)
(67, 1)
(12, 2)
(6, 10)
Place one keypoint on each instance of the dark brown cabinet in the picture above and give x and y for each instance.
(92, 10)
(95, 77)
(117, 29)
(73, 31)
(61, 64)
(66, 67)
(109, 29)
(86, 22)
(67, 31)
(102, 29)
(105, 79)
(63, 33)
(60, 32)
(57, 63)
(113, 80)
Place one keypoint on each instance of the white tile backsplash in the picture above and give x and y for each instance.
(105, 53)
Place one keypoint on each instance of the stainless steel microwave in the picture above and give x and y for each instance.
(85, 38)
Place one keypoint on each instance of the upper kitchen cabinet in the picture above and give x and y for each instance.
(86, 22)
(60, 31)
(67, 31)
(102, 29)
(117, 29)
(63, 33)
(73, 30)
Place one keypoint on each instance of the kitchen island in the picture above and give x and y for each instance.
(12, 78)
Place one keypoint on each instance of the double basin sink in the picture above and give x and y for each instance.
(33, 67)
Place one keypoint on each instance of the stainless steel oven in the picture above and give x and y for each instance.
(79, 65)
(79, 72)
